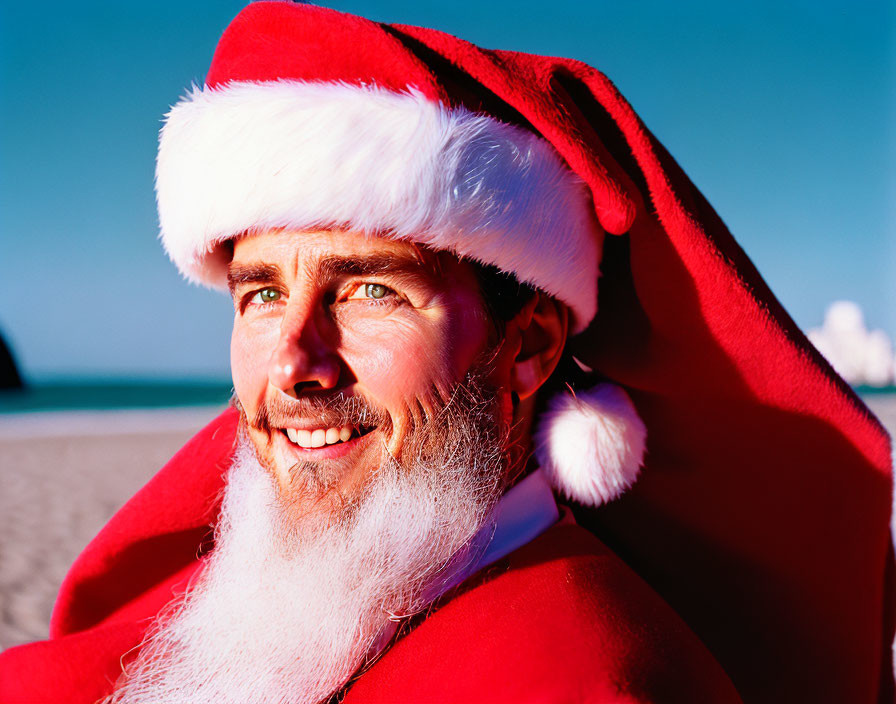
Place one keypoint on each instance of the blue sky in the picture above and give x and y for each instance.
(782, 114)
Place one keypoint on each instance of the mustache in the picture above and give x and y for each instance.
(337, 410)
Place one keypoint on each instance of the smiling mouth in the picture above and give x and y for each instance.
(321, 437)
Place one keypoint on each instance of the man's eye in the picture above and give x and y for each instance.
(373, 291)
(266, 295)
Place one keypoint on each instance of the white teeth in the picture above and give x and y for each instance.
(320, 436)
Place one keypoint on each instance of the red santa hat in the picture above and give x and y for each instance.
(294, 130)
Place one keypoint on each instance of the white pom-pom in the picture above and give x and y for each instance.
(591, 444)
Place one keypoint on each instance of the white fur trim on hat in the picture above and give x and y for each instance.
(245, 157)
(591, 443)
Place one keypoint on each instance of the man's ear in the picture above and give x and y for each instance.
(542, 324)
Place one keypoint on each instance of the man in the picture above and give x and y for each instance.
(411, 230)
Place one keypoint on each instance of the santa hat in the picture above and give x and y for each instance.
(291, 130)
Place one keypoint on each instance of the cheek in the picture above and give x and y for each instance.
(249, 356)
(395, 361)
(400, 359)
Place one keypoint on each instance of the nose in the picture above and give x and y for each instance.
(303, 356)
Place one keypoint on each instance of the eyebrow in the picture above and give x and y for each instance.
(241, 274)
(369, 265)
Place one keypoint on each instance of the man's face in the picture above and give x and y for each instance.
(341, 344)
(336, 331)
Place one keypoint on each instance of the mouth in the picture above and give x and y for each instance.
(314, 438)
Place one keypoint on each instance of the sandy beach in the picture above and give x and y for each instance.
(64, 474)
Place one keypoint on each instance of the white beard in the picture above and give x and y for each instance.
(286, 613)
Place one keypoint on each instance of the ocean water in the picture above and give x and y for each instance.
(73, 395)
(96, 396)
